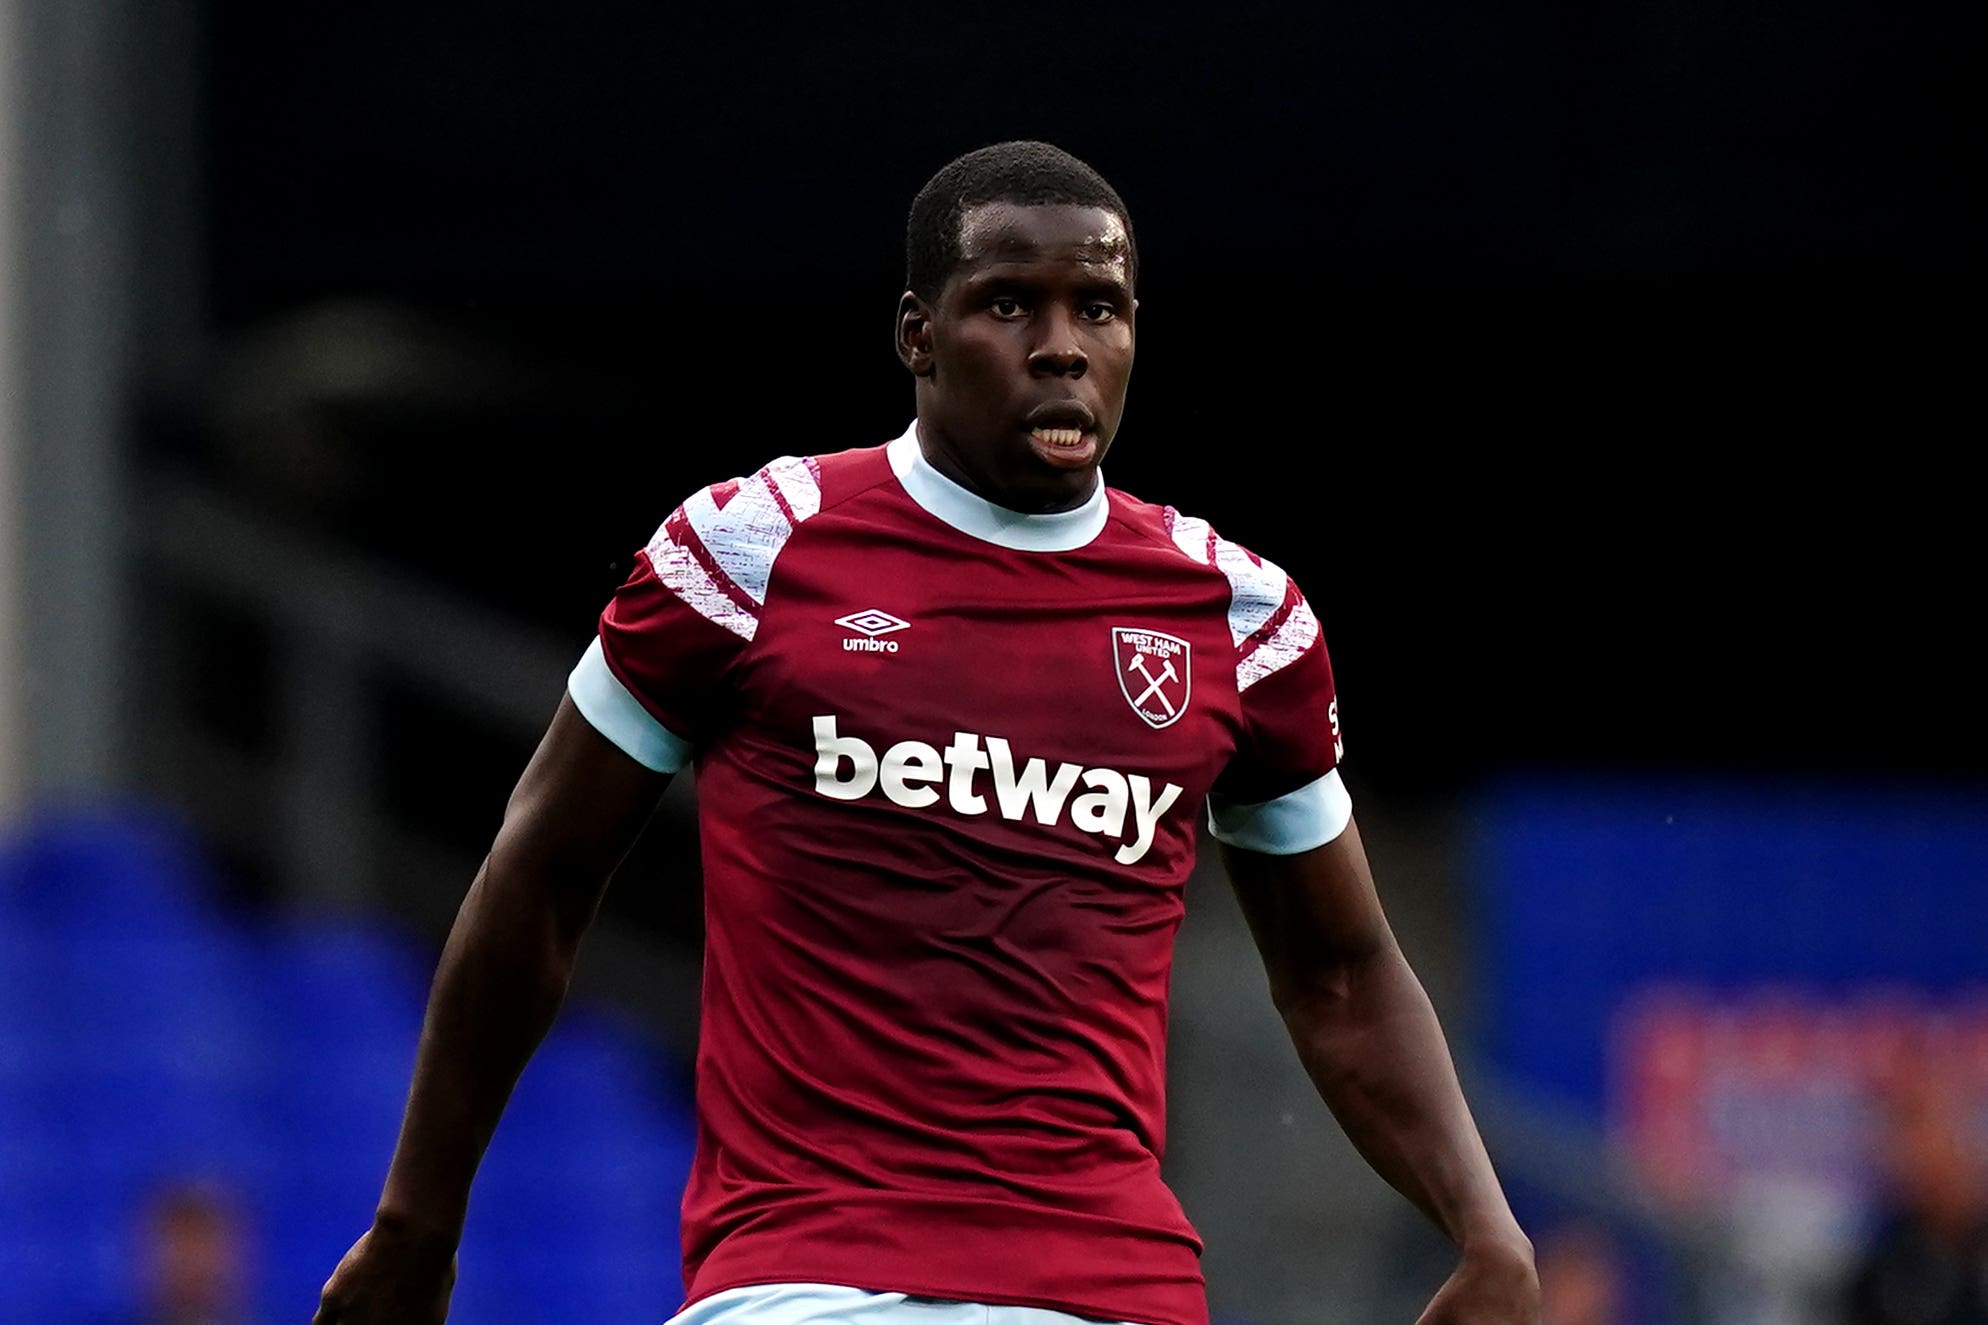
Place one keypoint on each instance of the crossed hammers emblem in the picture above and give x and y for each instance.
(1153, 683)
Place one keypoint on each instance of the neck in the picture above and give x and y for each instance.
(1050, 499)
(954, 502)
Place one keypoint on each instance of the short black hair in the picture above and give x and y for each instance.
(1025, 172)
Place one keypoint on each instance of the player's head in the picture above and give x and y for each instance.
(1017, 322)
(1028, 174)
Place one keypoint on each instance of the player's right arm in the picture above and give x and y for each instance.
(503, 974)
(653, 687)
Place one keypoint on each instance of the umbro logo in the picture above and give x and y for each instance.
(872, 623)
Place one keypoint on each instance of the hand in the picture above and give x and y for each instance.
(1495, 1285)
(390, 1277)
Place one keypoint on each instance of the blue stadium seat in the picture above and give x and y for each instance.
(102, 869)
(145, 1035)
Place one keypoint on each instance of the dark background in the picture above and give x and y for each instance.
(1607, 374)
(1604, 373)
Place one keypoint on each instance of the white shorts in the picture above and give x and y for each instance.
(833, 1304)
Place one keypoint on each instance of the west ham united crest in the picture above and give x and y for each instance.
(1152, 673)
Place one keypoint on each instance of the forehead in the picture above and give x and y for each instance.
(998, 234)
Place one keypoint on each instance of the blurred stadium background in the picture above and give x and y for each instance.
(1602, 373)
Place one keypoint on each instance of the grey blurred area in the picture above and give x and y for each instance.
(345, 358)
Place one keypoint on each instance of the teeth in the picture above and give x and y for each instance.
(1059, 436)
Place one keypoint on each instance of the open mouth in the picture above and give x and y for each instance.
(1064, 432)
(1061, 438)
(1064, 448)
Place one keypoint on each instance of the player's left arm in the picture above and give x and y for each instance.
(1368, 1037)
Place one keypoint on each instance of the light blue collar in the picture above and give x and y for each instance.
(1058, 531)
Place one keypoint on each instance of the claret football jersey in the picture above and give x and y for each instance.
(951, 763)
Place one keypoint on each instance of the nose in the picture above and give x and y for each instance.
(1058, 352)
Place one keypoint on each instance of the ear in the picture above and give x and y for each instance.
(914, 335)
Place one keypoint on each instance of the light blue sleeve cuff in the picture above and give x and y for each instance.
(603, 701)
(1297, 821)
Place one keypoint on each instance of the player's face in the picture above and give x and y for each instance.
(1023, 363)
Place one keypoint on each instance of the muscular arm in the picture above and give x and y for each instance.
(503, 974)
(1369, 1039)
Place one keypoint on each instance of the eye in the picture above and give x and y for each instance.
(1005, 306)
(1098, 312)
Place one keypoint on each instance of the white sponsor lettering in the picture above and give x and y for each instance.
(906, 763)
(869, 646)
(847, 769)
(1103, 810)
(830, 752)
(1034, 789)
(1146, 813)
(965, 758)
